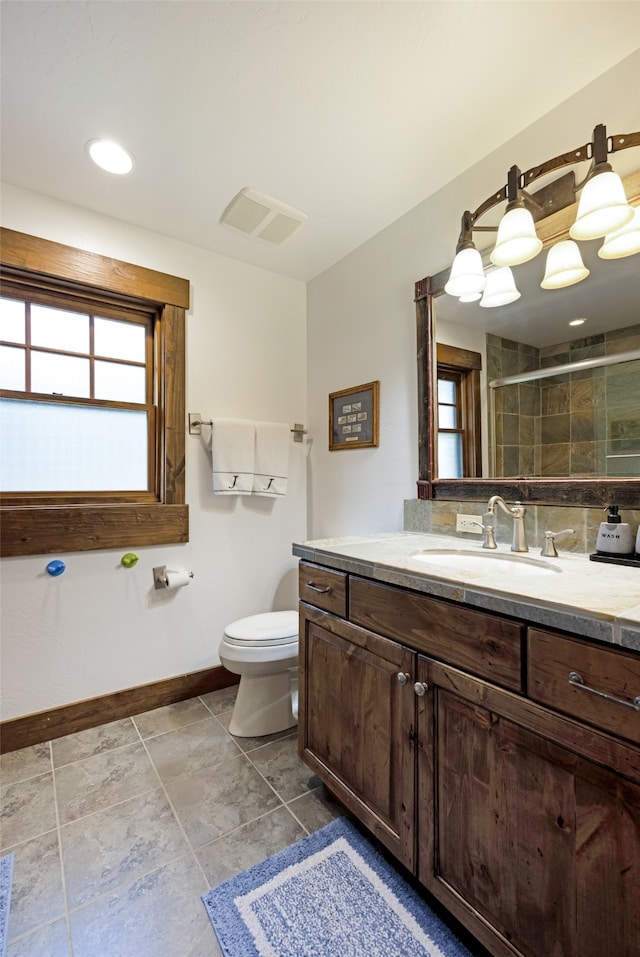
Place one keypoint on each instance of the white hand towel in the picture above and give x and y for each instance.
(272, 459)
(232, 456)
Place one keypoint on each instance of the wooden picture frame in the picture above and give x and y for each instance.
(353, 417)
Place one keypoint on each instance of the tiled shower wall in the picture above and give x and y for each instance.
(440, 519)
(578, 424)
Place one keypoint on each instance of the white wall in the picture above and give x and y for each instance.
(99, 627)
(361, 315)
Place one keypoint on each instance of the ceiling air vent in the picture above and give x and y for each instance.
(262, 217)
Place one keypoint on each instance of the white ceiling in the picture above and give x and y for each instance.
(353, 112)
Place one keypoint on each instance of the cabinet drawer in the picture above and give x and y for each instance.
(485, 645)
(608, 671)
(323, 587)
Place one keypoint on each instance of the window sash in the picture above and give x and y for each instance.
(91, 310)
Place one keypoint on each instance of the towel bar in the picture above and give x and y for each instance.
(196, 422)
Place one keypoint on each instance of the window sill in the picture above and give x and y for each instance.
(79, 528)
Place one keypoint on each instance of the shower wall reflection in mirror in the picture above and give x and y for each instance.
(577, 422)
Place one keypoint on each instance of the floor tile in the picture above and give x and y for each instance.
(26, 809)
(196, 746)
(25, 763)
(160, 915)
(51, 941)
(250, 844)
(214, 801)
(84, 744)
(315, 809)
(278, 761)
(170, 717)
(102, 780)
(220, 701)
(118, 845)
(37, 896)
(140, 823)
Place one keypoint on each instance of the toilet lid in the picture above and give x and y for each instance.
(273, 627)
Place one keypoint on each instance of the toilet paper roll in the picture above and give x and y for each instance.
(177, 578)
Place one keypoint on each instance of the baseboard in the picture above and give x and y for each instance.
(43, 725)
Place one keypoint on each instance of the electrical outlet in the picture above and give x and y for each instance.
(469, 523)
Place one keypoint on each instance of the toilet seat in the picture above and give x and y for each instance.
(266, 630)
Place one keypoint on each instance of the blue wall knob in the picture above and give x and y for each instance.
(56, 567)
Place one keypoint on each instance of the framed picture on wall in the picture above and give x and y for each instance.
(353, 417)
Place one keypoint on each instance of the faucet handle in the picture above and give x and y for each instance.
(549, 549)
(489, 540)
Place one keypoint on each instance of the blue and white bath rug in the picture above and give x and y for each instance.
(330, 894)
(6, 874)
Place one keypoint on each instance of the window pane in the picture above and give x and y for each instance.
(51, 447)
(59, 329)
(119, 383)
(446, 391)
(447, 417)
(12, 320)
(449, 455)
(12, 374)
(119, 340)
(61, 375)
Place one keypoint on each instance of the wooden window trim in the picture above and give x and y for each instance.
(29, 530)
(468, 364)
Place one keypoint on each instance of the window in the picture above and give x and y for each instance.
(91, 401)
(458, 446)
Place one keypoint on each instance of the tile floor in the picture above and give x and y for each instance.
(119, 830)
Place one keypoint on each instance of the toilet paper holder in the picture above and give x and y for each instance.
(160, 579)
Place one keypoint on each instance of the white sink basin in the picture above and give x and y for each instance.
(485, 563)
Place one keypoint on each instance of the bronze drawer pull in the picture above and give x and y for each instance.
(322, 591)
(577, 681)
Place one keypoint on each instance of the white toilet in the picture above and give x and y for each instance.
(263, 650)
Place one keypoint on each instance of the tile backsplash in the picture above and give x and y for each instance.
(440, 519)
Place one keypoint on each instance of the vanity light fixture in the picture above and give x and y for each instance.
(110, 156)
(517, 241)
(603, 206)
(564, 266)
(500, 289)
(602, 210)
(623, 242)
(467, 277)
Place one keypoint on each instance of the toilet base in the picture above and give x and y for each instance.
(264, 705)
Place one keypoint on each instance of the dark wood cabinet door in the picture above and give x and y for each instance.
(540, 840)
(357, 722)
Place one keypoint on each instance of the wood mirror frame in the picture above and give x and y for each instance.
(598, 491)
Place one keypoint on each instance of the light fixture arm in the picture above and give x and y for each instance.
(517, 183)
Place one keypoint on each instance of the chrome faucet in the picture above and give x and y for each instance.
(517, 513)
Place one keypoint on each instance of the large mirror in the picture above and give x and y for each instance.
(558, 405)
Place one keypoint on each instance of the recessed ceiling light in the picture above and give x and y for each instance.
(110, 156)
(577, 322)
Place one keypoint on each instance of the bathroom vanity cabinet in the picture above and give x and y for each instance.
(455, 736)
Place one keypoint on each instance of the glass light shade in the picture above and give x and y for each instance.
(603, 207)
(467, 274)
(471, 297)
(564, 266)
(500, 288)
(624, 242)
(517, 241)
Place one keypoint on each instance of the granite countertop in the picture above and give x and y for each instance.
(591, 599)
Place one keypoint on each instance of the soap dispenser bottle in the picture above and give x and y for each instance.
(615, 536)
